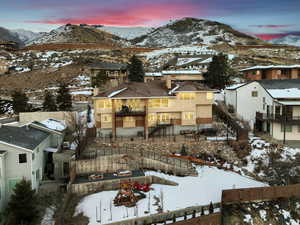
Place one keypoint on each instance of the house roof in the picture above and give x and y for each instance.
(51, 124)
(150, 89)
(271, 67)
(285, 89)
(180, 72)
(108, 66)
(280, 84)
(25, 137)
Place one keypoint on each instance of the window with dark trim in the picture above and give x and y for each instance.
(22, 158)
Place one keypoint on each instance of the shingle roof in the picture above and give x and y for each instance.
(280, 84)
(108, 66)
(25, 137)
(150, 89)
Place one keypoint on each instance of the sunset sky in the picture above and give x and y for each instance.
(267, 19)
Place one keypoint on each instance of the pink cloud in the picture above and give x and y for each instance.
(146, 14)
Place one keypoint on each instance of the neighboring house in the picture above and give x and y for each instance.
(3, 66)
(179, 75)
(143, 108)
(81, 95)
(272, 106)
(116, 72)
(23, 154)
(272, 72)
(199, 63)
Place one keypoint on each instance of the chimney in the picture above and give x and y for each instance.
(96, 91)
(169, 83)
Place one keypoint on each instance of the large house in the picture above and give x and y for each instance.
(142, 108)
(179, 75)
(272, 106)
(23, 154)
(272, 72)
(116, 72)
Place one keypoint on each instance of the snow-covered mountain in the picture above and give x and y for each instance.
(287, 40)
(26, 36)
(7, 35)
(194, 31)
(78, 34)
(128, 33)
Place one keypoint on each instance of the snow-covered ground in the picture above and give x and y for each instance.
(191, 191)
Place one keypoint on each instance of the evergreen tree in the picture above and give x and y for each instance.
(136, 70)
(22, 205)
(202, 211)
(64, 99)
(183, 151)
(49, 103)
(20, 102)
(89, 111)
(219, 72)
(211, 208)
(100, 79)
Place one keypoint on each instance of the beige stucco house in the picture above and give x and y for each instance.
(135, 109)
(179, 75)
(3, 66)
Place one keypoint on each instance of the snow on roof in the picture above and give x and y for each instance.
(209, 60)
(116, 92)
(174, 89)
(156, 74)
(81, 93)
(272, 67)
(179, 72)
(183, 61)
(285, 93)
(50, 149)
(235, 86)
(289, 102)
(54, 124)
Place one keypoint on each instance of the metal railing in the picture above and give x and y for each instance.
(276, 117)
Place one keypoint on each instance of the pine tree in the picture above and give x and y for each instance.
(20, 102)
(211, 208)
(64, 99)
(100, 79)
(183, 151)
(22, 205)
(89, 111)
(136, 70)
(49, 103)
(202, 211)
(219, 72)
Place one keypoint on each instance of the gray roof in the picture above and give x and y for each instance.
(25, 137)
(108, 66)
(280, 84)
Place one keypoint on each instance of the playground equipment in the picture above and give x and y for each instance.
(130, 193)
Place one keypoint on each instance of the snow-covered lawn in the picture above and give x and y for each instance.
(191, 191)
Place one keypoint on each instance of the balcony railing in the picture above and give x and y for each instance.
(277, 117)
(127, 111)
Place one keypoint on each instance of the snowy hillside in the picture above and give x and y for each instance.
(127, 32)
(26, 36)
(287, 40)
(78, 34)
(7, 35)
(194, 31)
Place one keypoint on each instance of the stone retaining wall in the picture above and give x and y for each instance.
(107, 185)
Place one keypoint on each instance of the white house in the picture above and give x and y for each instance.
(269, 106)
(23, 152)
